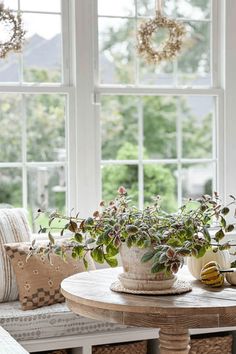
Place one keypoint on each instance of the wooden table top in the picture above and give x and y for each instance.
(89, 294)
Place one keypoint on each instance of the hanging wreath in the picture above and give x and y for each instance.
(16, 36)
(169, 48)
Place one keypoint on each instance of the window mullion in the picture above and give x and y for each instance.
(65, 29)
(140, 154)
(215, 51)
(156, 91)
(87, 158)
(179, 151)
(228, 126)
(24, 151)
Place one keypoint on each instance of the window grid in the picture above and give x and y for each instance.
(179, 161)
(136, 17)
(23, 88)
(117, 89)
(140, 154)
(20, 55)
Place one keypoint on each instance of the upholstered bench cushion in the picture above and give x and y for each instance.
(48, 322)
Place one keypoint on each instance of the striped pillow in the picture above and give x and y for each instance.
(14, 227)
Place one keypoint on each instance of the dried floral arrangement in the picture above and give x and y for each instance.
(169, 48)
(16, 37)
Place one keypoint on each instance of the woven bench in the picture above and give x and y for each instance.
(9, 345)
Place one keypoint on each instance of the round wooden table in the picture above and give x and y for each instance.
(89, 295)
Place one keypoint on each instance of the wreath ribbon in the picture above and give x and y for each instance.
(159, 7)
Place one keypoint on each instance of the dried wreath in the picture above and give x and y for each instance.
(17, 34)
(170, 47)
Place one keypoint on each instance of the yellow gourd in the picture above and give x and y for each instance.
(211, 275)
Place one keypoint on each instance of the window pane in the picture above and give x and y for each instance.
(12, 4)
(156, 74)
(193, 9)
(148, 7)
(188, 9)
(114, 176)
(116, 8)
(9, 68)
(160, 75)
(46, 189)
(45, 127)
(42, 53)
(119, 127)
(197, 122)
(161, 180)
(159, 115)
(117, 48)
(197, 179)
(10, 187)
(194, 60)
(42, 5)
(10, 132)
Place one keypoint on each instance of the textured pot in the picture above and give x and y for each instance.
(137, 275)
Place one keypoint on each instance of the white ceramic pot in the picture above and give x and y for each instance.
(196, 264)
(231, 278)
(137, 275)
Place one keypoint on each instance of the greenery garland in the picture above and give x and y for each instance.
(170, 47)
(16, 36)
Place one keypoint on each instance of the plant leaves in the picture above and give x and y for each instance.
(206, 234)
(112, 250)
(157, 267)
(219, 235)
(51, 238)
(148, 256)
(112, 262)
(225, 211)
(98, 255)
(229, 228)
(78, 250)
(78, 237)
(73, 226)
(85, 263)
(223, 222)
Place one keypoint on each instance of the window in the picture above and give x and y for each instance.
(33, 109)
(158, 122)
(81, 114)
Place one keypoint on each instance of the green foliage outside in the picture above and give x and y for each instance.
(44, 119)
(159, 114)
(119, 126)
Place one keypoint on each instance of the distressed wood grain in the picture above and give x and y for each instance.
(89, 294)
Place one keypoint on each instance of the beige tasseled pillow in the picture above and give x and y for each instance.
(14, 227)
(39, 280)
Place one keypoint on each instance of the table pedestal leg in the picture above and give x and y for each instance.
(174, 340)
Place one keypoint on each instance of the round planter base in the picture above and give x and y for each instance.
(179, 287)
(145, 284)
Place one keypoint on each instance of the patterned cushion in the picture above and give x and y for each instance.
(39, 279)
(48, 322)
(13, 228)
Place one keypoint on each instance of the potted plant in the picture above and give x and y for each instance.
(151, 242)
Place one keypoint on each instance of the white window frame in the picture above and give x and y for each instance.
(88, 130)
(79, 30)
(40, 88)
